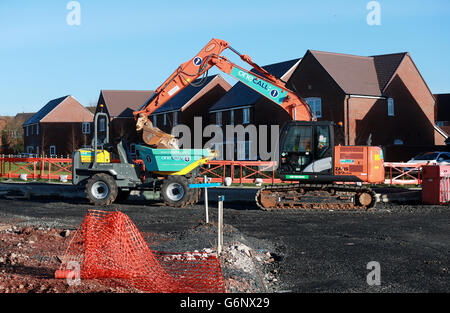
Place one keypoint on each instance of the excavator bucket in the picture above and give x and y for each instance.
(155, 137)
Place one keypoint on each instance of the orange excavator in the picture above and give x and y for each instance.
(322, 175)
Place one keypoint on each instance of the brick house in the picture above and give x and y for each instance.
(119, 105)
(376, 98)
(379, 100)
(59, 128)
(192, 101)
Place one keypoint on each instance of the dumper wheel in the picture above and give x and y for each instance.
(194, 193)
(175, 191)
(101, 189)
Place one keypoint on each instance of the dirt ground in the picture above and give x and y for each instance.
(278, 252)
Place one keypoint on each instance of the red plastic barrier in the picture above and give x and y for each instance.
(436, 184)
(109, 245)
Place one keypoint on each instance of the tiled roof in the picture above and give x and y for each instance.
(385, 66)
(182, 97)
(36, 118)
(122, 103)
(360, 75)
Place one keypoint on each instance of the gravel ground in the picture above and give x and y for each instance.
(324, 251)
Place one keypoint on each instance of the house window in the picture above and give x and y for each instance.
(440, 123)
(315, 104)
(246, 116)
(52, 150)
(37, 129)
(86, 128)
(232, 117)
(37, 150)
(390, 107)
(155, 118)
(29, 149)
(165, 119)
(175, 118)
(219, 118)
(26, 130)
(32, 130)
(241, 151)
(102, 125)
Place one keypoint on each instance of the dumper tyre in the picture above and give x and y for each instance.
(175, 191)
(101, 189)
(195, 193)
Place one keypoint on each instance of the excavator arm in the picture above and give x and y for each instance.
(261, 81)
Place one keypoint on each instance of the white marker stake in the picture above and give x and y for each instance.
(220, 225)
(205, 180)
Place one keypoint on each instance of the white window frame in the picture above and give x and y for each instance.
(246, 116)
(391, 107)
(315, 103)
(240, 153)
(54, 150)
(231, 117)
(86, 128)
(102, 126)
(219, 118)
(175, 118)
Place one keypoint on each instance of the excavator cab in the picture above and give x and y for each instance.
(306, 147)
(308, 153)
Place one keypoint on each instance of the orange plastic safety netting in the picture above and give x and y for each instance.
(109, 245)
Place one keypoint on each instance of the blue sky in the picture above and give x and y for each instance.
(137, 44)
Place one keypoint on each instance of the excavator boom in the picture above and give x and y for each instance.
(261, 81)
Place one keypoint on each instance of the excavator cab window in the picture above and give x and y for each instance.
(296, 148)
(323, 142)
(306, 147)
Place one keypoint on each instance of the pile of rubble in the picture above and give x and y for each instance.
(248, 264)
(249, 270)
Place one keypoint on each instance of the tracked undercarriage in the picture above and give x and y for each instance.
(315, 196)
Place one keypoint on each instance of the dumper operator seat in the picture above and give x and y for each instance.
(123, 152)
